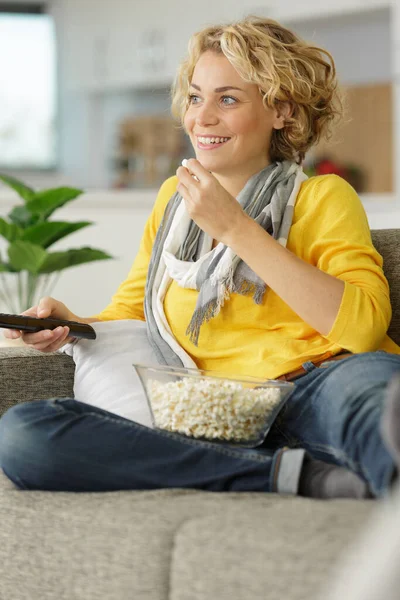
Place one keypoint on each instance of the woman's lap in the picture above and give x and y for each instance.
(66, 444)
(333, 413)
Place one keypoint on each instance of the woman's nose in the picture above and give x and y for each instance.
(206, 115)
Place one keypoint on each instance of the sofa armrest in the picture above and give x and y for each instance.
(26, 374)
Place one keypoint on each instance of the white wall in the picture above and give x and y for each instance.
(360, 45)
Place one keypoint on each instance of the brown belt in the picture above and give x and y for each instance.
(322, 359)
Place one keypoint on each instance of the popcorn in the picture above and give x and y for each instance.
(213, 409)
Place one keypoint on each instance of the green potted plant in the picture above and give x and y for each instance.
(30, 270)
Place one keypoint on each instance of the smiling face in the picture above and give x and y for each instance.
(228, 125)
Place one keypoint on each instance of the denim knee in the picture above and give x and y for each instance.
(21, 441)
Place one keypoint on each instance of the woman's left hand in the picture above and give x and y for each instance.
(212, 208)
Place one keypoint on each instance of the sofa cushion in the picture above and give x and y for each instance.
(387, 243)
(169, 544)
(280, 548)
(26, 374)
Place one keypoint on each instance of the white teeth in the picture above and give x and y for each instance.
(208, 141)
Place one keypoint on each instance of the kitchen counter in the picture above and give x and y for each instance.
(95, 198)
(146, 196)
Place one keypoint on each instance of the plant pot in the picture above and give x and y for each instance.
(19, 291)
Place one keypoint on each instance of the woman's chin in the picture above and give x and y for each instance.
(212, 164)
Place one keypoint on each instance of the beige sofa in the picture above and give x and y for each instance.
(167, 544)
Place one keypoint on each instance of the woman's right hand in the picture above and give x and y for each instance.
(46, 340)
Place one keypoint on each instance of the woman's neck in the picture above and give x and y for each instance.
(233, 186)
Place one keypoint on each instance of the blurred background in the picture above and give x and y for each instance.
(84, 101)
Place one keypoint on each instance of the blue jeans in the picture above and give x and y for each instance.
(333, 414)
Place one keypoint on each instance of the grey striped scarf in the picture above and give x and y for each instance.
(182, 251)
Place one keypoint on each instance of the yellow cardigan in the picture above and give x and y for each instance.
(330, 231)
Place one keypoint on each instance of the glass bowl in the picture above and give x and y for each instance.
(211, 405)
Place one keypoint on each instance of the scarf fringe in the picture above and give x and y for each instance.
(202, 315)
(244, 287)
(205, 313)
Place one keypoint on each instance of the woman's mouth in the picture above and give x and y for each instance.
(211, 143)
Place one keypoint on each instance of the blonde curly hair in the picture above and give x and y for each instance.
(285, 68)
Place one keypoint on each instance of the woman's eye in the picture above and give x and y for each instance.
(193, 99)
(228, 100)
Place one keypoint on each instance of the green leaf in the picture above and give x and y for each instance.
(57, 261)
(22, 190)
(9, 231)
(45, 202)
(25, 256)
(22, 217)
(47, 233)
(4, 267)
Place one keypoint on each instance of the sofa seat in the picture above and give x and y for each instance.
(170, 544)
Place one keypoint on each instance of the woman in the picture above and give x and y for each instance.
(245, 266)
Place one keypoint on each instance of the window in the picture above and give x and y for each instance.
(27, 88)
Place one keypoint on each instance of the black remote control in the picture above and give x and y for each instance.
(33, 324)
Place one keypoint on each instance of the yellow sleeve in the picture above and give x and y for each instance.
(337, 239)
(128, 301)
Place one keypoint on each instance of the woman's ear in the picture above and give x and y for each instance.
(283, 111)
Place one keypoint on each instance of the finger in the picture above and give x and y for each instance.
(30, 312)
(57, 344)
(197, 169)
(185, 177)
(60, 344)
(39, 337)
(45, 307)
(12, 334)
(58, 335)
(185, 164)
(184, 192)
